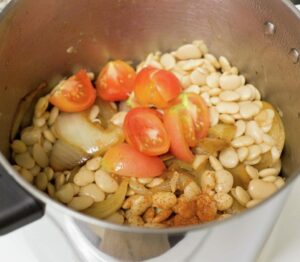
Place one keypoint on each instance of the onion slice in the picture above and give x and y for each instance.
(65, 156)
(110, 205)
(76, 130)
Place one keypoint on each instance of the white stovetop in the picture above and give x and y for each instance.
(29, 243)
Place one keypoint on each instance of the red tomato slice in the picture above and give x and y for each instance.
(156, 87)
(175, 128)
(124, 160)
(75, 94)
(115, 81)
(186, 122)
(145, 131)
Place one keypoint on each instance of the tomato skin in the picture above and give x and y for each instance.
(156, 87)
(179, 146)
(124, 160)
(75, 94)
(115, 81)
(186, 122)
(145, 131)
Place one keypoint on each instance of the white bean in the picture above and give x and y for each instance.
(252, 171)
(253, 130)
(35, 170)
(41, 181)
(198, 77)
(214, 100)
(191, 64)
(253, 203)
(65, 193)
(208, 181)
(94, 112)
(268, 172)
(49, 135)
(40, 156)
(185, 81)
(93, 191)
(18, 146)
(268, 140)
(223, 200)
(188, 51)
(214, 91)
(254, 152)
(224, 181)
(246, 93)
(253, 161)
(119, 118)
(242, 141)
(229, 158)
(275, 153)
(242, 153)
(240, 128)
(105, 182)
(215, 163)
(230, 82)
(81, 203)
(224, 63)
(271, 179)
(227, 108)
(192, 89)
(53, 116)
(164, 200)
(41, 107)
(168, 61)
(229, 96)
(248, 110)
(205, 97)
(264, 148)
(24, 160)
(213, 60)
(94, 163)
(259, 189)
(242, 195)
(213, 80)
(84, 177)
(191, 191)
(26, 175)
(227, 119)
(155, 182)
(214, 116)
(31, 135)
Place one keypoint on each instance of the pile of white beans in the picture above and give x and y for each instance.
(230, 101)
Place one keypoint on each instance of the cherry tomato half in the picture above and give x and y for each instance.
(156, 87)
(145, 131)
(75, 94)
(115, 81)
(186, 122)
(124, 160)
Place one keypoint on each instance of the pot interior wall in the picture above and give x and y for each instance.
(41, 40)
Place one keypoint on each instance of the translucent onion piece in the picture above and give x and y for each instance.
(110, 205)
(77, 130)
(240, 176)
(277, 133)
(211, 146)
(222, 131)
(65, 156)
(23, 115)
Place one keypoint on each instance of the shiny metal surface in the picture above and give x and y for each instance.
(36, 36)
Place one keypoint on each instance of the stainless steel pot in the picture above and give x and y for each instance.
(260, 37)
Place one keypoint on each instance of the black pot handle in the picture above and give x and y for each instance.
(17, 207)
